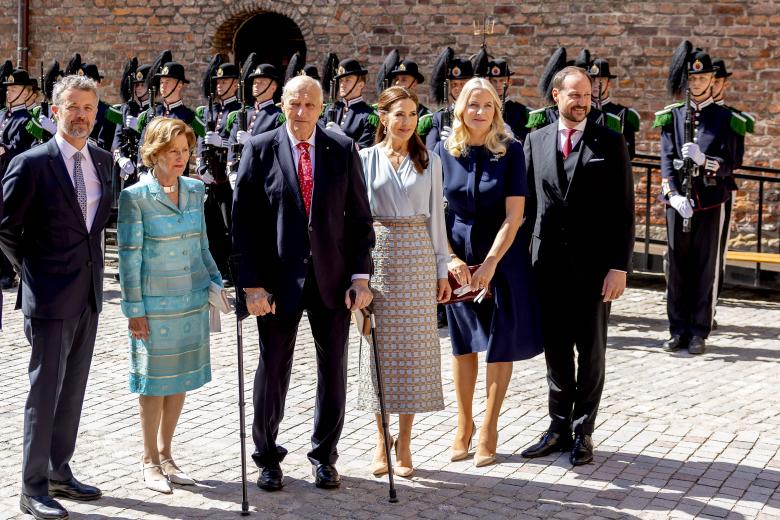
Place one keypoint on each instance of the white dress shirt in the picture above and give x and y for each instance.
(91, 180)
(296, 159)
(575, 137)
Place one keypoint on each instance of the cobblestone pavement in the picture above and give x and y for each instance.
(677, 436)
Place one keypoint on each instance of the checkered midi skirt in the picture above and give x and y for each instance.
(404, 287)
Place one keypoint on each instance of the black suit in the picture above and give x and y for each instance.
(61, 264)
(307, 264)
(582, 214)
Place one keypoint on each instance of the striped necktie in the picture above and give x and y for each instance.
(81, 188)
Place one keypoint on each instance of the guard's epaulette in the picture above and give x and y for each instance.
(231, 118)
(200, 111)
(114, 114)
(281, 118)
(34, 128)
(738, 123)
(613, 122)
(665, 117)
(36, 112)
(198, 126)
(142, 120)
(537, 118)
(374, 106)
(633, 119)
(750, 122)
(373, 119)
(424, 124)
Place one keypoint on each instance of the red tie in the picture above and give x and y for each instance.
(305, 177)
(567, 144)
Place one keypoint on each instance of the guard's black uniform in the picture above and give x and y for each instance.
(629, 121)
(357, 119)
(516, 116)
(260, 118)
(694, 256)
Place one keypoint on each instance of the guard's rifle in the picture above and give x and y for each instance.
(243, 124)
(333, 109)
(503, 99)
(212, 156)
(129, 138)
(45, 103)
(688, 171)
(602, 117)
(446, 117)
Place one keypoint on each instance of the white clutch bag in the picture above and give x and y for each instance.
(217, 303)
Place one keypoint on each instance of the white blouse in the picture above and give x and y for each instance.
(406, 193)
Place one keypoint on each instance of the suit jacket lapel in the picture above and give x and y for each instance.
(585, 151)
(60, 171)
(102, 169)
(550, 142)
(286, 163)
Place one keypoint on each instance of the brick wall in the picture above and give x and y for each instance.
(637, 36)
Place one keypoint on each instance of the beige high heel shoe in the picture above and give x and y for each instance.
(155, 479)
(485, 460)
(402, 471)
(379, 466)
(456, 455)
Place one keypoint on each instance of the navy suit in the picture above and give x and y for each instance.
(43, 233)
(581, 211)
(307, 263)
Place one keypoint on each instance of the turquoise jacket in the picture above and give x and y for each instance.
(163, 250)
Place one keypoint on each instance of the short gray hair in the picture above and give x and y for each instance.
(561, 75)
(73, 82)
(299, 83)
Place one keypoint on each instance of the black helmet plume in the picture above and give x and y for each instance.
(677, 81)
(74, 65)
(390, 63)
(127, 85)
(439, 74)
(480, 63)
(329, 67)
(556, 63)
(294, 67)
(207, 84)
(152, 81)
(583, 59)
(246, 69)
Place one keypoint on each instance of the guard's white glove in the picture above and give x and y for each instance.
(232, 176)
(692, 151)
(131, 122)
(207, 178)
(445, 132)
(48, 124)
(243, 136)
(126, 165)
(334, 127)
(682, 205)
(213, 139)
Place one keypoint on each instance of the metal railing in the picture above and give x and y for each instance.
(652, 163)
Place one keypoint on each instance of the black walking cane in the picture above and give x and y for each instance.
(368, 322)
(241, 314)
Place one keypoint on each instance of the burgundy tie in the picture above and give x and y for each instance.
(567, 144)
(305, 175)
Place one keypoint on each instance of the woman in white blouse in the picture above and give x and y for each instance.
(404, 183)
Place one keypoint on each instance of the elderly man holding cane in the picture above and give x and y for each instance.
(302, 233)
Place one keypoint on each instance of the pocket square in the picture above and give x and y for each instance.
(596, 159)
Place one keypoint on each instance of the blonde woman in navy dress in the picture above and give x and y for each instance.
(165, 272)
(485, 187)
(404, 184)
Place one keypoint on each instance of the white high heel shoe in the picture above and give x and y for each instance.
(155, 479)
(175, 474)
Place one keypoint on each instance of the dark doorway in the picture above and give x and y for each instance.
(272, 36)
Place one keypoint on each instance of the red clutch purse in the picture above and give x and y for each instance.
(463, 294)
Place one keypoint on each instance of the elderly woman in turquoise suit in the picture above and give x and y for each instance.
(165, 271)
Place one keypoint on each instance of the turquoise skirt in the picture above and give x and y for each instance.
(176, 357)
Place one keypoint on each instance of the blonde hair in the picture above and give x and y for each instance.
(495, 142)
(160, 135)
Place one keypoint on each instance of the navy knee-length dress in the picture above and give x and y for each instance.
(476, 186)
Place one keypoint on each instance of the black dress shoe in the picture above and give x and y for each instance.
(550, 442)
(696, 346)
(74, 490)
(326, 476)
(582, 452)
(42, 507)
(7, 282)
(441, 317)
(270, 478)
(674, 343)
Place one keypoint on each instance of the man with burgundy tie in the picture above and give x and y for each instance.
(581, 213)
(56, 202)
(302, 235)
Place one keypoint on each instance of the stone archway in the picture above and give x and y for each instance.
(272, 36)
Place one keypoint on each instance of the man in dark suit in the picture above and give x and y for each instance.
(303, 233)
(56, 200)
(582, 214)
